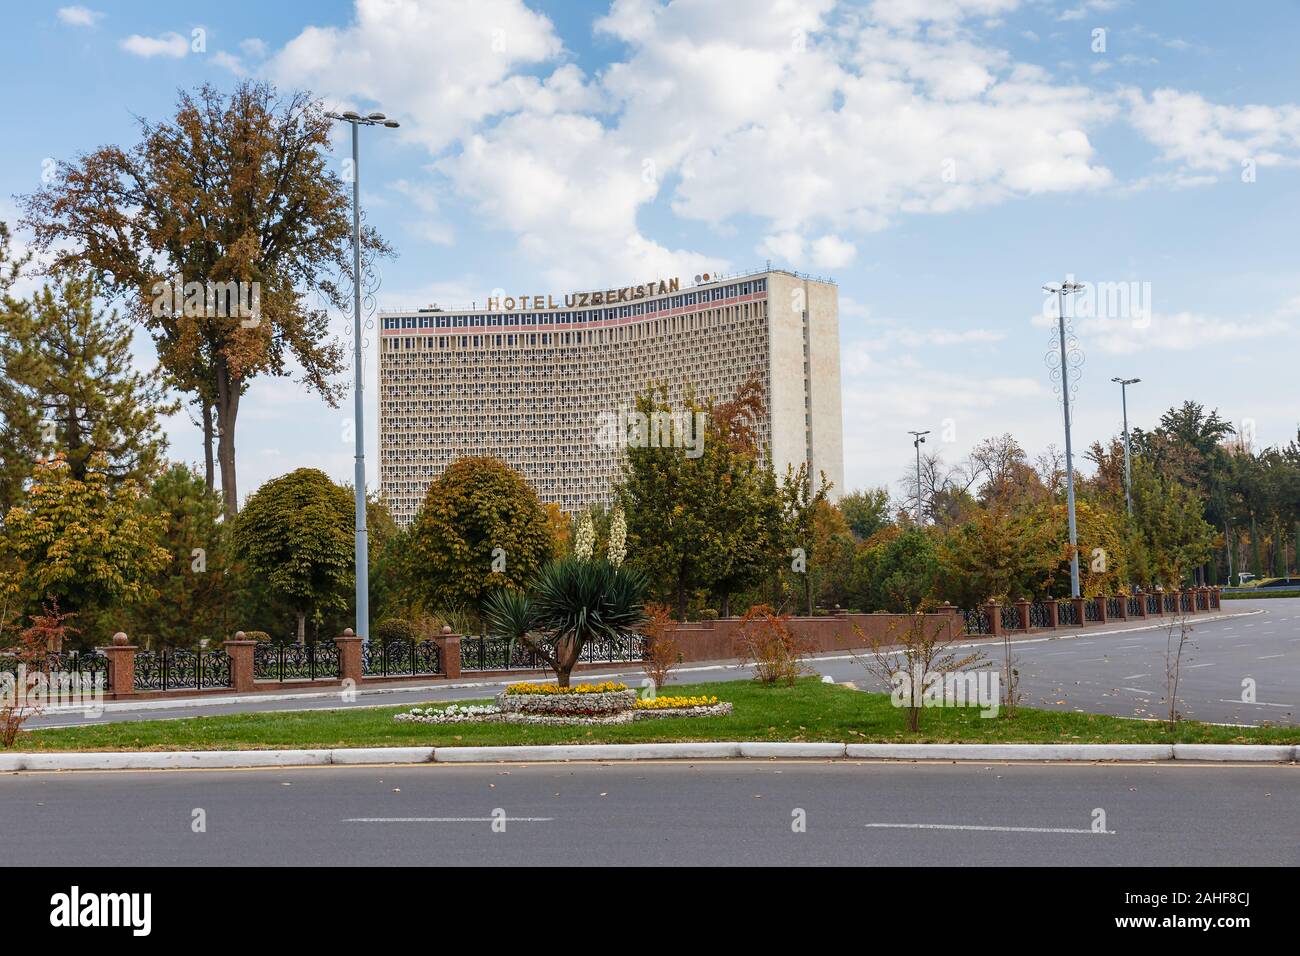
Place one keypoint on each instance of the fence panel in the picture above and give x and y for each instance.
(1040, 614)
(181, 669)
(1066, 613)
(403, 658)
(285, 661)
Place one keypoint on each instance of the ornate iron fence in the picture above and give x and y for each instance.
(976, 620)
(1153, 603)
(1185, 602)
(1091, 610)
(1134, 605)
(77, 662)
(401, 658)
(273, 660)
(1202, 601)
(1040, 614)
(1066, 613)
(1010, 614)
(479, 653)
(176, 669)
(1171, 602)
(1115, 607)
(625, 650)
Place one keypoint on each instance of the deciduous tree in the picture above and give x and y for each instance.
(231, 189)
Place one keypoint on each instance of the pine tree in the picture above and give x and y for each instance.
(68, 386)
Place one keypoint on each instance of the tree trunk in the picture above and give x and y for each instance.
(726, 604)
(209, 478)
(681, 602)
(302, 628)
(227, 411)
(566, 656)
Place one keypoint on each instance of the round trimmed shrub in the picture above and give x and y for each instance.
(393, 629)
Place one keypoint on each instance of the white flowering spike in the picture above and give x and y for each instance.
(585, 542)
(617, 537)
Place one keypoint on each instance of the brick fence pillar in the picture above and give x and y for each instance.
(1022, 607)
(349, 656)
(1215, 600)
(1142, 602)
(1160, 600)
(240, 650)
(1101, 608)
(1123, 605)
(121, 665)
(994, 612)
(1078, 611)
(1053, 613)
(956, 622)
(449, 652)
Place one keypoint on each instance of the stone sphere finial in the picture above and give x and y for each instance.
(241, 636)
(347, 632)
(446, 629)
(120, 639)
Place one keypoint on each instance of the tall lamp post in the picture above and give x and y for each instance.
(1061, 290)
(918, 439)
(1124, 383)
(356, 120)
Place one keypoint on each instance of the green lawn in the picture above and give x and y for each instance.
(810, 710)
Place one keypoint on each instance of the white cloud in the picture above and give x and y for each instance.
(167, 44)
(1206, 136)
(902, 13)
(441, 66)
(230, 62)
(1087, 8)
(78, 16)
(1177, 330)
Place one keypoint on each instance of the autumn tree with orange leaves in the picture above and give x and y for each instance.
(235, 189)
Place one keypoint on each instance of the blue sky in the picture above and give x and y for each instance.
(940, 159)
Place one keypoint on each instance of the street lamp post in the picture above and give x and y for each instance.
(362, 555)
(1124, 383)
(1061, 291)
(918, 439)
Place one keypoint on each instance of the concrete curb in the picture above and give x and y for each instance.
(1262, 752)
(682, 751)
(705, 750)
(1054, 752)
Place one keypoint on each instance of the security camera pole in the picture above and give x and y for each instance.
(1061, 291)
(356, 120)
(918, 439)
(1124, 383)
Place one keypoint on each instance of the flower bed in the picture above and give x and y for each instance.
(588, 704)
(528, 689)
(451, 714)
(698, 706)
(583, 701)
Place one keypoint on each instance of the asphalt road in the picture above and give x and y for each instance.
(1122, 674)
(659, 814)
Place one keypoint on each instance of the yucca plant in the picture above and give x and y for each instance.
(573, 601)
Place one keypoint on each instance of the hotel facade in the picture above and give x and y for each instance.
(535, 380)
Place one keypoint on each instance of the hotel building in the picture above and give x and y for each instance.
(529, 379)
